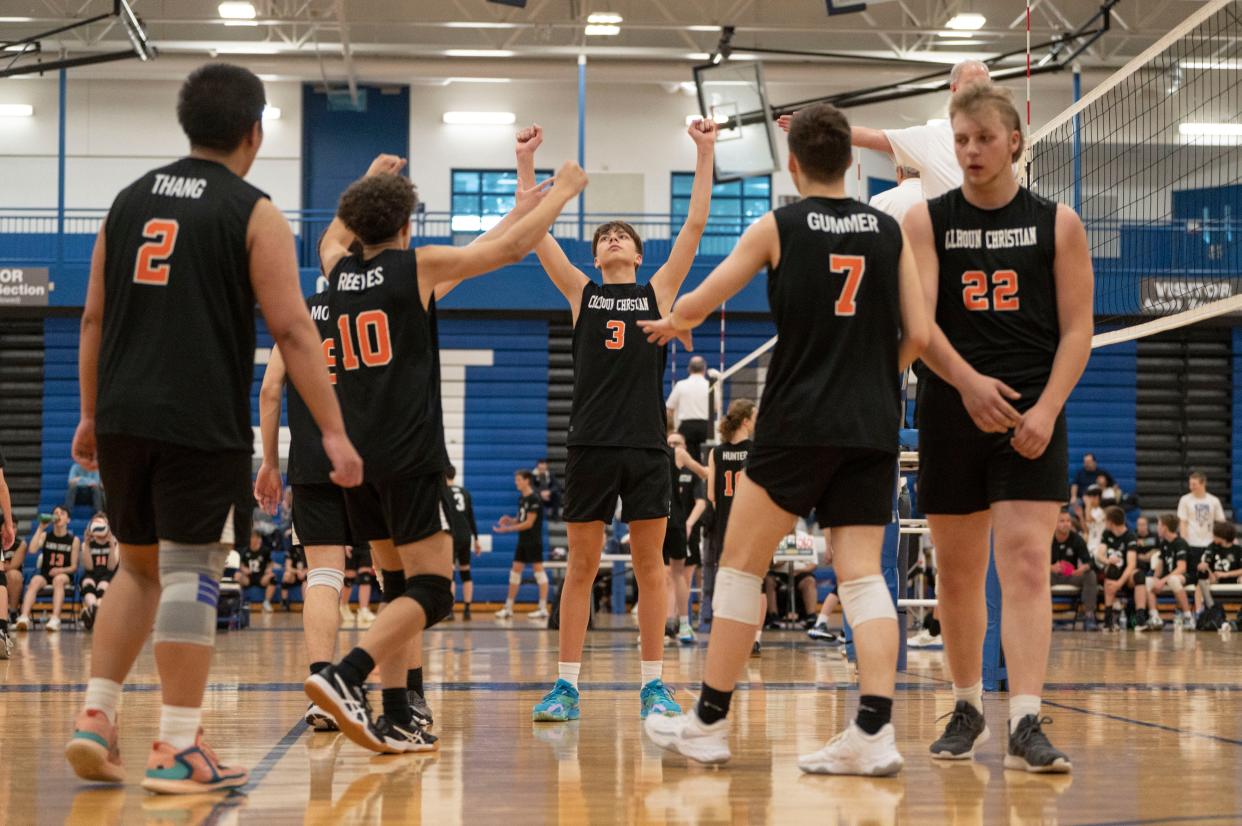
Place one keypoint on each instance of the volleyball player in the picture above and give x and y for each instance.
(687, 505)
(102, 557)
(1009, 277)
(844, 291)
(725, 464)
(58, 551)
(257, 569)
(1123, 571)
(617, 425)
(165, 367)
(528, 525)
(465, 538)
(385, 360)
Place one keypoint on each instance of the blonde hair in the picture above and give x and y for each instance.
(739, 411)
(971, 99)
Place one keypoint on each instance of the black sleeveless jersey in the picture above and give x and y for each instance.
(618, 374)
(462, 518)
(256, 562)
(687, 487)
(385, 358)
(730, 461)
(177, 357)
(532, 537)
(7, 554)
(99, 555)
(833, 380)
(997, 301)
(57, 552)
(308, 464)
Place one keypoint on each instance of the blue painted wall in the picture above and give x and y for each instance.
(1102, 413)
(337, 143)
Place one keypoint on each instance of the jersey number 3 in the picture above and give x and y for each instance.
(853, 266)
(1004, 291)
(152, 265)
(617, 329)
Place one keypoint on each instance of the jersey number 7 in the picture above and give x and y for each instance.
(853, 266)
(152, 264)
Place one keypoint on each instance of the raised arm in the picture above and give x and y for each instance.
(669, 278)
(274, 275)
(915, 323)
(267, 484)
(1075, 300)
(335, 242)
(88, 359)
(437, 264)
(860, 136)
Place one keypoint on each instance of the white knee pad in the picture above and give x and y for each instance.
(736, 596)
(515, 578)
(190, 580)
(541, 577)
(327, 577)
(865, 599)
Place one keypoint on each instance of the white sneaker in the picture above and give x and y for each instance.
(922, 639)
(853, 751)
(366, 618)
(347, 616)
(687, 735)
(53, 624)
(504, 613)
(540, 614)
(23, 623)
(267, 607)
(319, 720)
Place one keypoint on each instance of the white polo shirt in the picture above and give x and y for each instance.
(898, 200)
(929, 149)
(689, 399)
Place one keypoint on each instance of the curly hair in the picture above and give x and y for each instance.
(377, 207)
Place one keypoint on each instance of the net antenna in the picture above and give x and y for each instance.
(1150, 160)
(30, 47)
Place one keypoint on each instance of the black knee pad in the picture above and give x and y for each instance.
(433, 593)
(366, 578)
(465, 574)
(393, 583)
(88, 589)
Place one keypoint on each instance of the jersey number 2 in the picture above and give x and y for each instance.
(617, 342)
(152, 265)
(374, 348)
(1004, 291)
(853, 266)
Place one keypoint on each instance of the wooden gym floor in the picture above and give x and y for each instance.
(1152, 724)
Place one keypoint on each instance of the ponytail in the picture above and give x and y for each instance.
(739, 411)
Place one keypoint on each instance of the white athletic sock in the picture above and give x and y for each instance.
(685, 620)
(759, 632)
(1020, 705)
(569, 672)
(543, 605)
(179, 725)
(104, 695)
(509, 604)
(972, 694)
(821, 621)
(653, 670)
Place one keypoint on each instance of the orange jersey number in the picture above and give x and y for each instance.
(152, 265)
(853, 266)
(617, 328)
(1004, 291)
(374, 342)
(729, 478)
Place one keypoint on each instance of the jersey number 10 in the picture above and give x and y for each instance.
(374, 346)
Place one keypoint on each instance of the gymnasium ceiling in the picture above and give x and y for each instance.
(371, 39)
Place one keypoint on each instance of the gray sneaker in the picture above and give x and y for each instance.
(965, 732)
(420, 710)
(1030, 751)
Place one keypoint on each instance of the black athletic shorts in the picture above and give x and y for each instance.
(529, 552)
(99, 577)
(461, 551)
(407, 509)
(964, 470)
(675, 542)
(1194, 556)
(843, 485)
(694, 557)
(319, 517)
(159, 490)
(595, 477)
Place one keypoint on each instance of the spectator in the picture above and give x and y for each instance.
(1169, 568)
(549, 488)
(1110, 492)
(1092, 517)
(100, 561)
(57, 564)
(1198, 511)
(257, 569)
(688, 407)
(12, 557)
(898, 200)
(819, 631)
(1084, 478)
(294, 574)
(1072, 565)
(776, 589)
(1142, 531)
(1118, 554)
(83, 481)
(8, 529)
(1222, 563)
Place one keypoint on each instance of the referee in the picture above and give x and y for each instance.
(688, 407)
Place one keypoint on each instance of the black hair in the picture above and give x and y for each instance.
(820, 138)
(377, 207)
(219, 104)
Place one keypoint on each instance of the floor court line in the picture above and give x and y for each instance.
(273, 757)
(1158, 726)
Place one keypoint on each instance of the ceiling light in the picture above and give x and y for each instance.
(1223, 64)
(601, 30)
(698, 56)
(271, 113)
(237, 11)
(702, 28)
(958, 33)
(479, 118)
(449, 80)
(1211, 134)
(16, 110)
(966, 21)
(604, 17)
(479, 53)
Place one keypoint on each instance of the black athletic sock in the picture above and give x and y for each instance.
(4, 625)
(414, 680)
(933, 627)
(874, 713)
(397, 705)
(315, 668)
(713, 704)
(356, 667)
